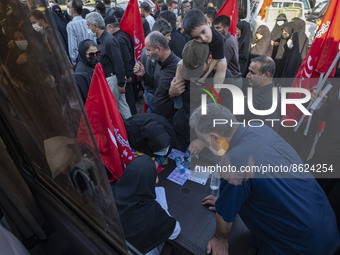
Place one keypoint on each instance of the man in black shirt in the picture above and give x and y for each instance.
(127, 51)
(111, 61)
(157, 49)
(177, 40)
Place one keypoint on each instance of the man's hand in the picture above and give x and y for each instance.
(128, 80)
(176, 87)
(314, 96)
(138, 69)
(121, 90)
(196, 146)
(210, 200)
(217, 246)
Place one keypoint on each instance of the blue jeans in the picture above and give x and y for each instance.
(149, 100)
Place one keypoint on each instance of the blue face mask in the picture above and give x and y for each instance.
(162, 153)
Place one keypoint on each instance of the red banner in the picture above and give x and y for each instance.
(319, 57)
(132, 24)
(230, 9)
(107, 126)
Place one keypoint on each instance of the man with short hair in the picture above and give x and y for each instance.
(160, 3)
(111, 60)
(100, 8)
(157, 48)
(173, 7)
(260, 76)
(127, 51)
(222, 24)
(108, 7)
(177, 40)
(210, 13)
(186, 6)
(76, 29)
(145, 11)
(286, 212)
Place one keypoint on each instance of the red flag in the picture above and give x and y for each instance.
(107, 126)
(266, 3)
(230, 9)
(319, 57)
(131, 23)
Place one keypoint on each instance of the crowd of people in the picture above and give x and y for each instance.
(187, 49)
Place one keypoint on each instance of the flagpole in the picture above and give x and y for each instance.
(322, 81)
(318, 88)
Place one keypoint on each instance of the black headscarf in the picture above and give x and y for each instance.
(263, 46)
(83, 65)
(145, 223)
(244, 45)
(300, 25)
(149, 133)
(296, 55)
(283, 51)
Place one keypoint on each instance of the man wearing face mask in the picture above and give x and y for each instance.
(285, 212)
(260, 76)
(76, 29)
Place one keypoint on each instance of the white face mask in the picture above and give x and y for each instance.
(290, 43)
(113, 5)
(69, 11)
(51, 4)
(176, 12)
(220, 152)
(22, 45)
(91, 33)
(37, 27)
(280, 23)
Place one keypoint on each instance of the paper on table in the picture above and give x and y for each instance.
(199, 177)
(176, 153)
(177, 177)
(161, 199)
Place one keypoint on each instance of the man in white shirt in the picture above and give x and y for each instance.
(76, 29)
(145, 11)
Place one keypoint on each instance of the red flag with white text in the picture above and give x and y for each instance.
(266, 3)
(131, 23)
(319, 57)
(230, 9)
(107, 126)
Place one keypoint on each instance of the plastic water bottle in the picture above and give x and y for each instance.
(215, 180)
(187, 159)
(179, 165)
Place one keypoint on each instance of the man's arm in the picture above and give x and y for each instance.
(218, 245)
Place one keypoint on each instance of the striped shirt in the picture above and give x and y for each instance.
(76, 32)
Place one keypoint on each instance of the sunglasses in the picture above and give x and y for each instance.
(57, 11)
(92, 54)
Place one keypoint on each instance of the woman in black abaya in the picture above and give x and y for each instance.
(145, 223)
(281, 20)
(244, 38)
(298, 50)
(281, 57)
